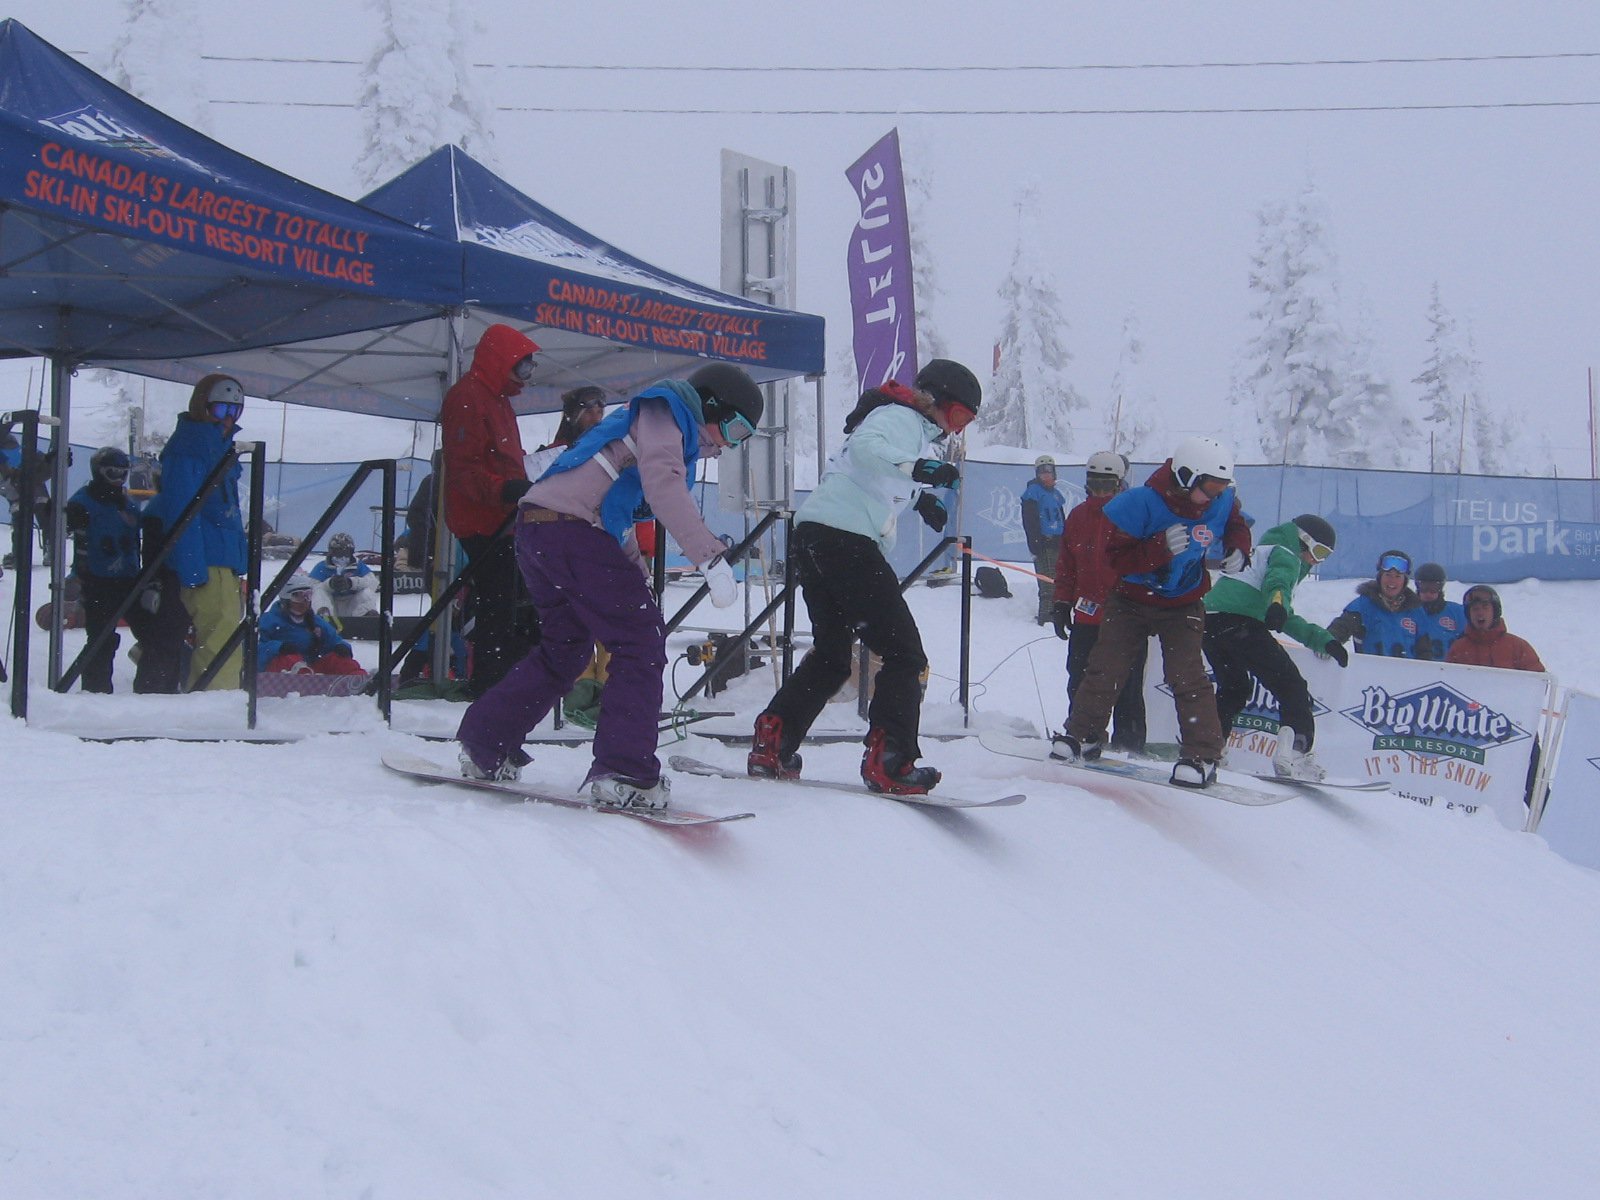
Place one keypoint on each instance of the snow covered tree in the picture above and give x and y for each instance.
(1466, 434)
(1130, 411)
(1031, 404)
(924, 265)
(1307, 391)
(418, 91)
(156, 55)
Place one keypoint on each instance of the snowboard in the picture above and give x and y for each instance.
(1336, 782)
(415, 767)
(693, 766)
(1038, 750)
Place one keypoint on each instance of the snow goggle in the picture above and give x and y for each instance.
(299, 594)
(114, 474)
(1314, 548)
(1210, 486)
(736, 429)
(225, 410)
(524, 369)
(1395, 562)
(956, 416)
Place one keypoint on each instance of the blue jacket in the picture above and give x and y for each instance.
(1437, 631)
(281, 634)
(105, 528)
(1044, 515)
(215, 538)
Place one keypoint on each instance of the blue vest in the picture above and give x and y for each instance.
(1390, 634)
(1052, 508)
(626, 493)
(1141, 512)
(1439, 629)
(110, 545)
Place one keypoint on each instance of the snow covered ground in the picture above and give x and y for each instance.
(234, 970)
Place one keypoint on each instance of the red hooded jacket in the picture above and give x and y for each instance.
(482, 448)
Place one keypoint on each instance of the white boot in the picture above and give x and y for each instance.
(1194, 772)
(507, 772)
(616, 792)
(1293, 761)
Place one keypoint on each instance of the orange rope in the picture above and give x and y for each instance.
(1008, 566)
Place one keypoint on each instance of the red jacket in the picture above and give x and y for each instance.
(482, 448)
(1494, 647)
(1082, 570)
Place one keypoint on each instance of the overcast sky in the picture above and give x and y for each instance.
(1149, 214)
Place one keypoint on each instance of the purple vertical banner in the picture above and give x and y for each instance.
(882, 301)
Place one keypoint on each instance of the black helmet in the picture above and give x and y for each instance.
(1431, 573)
(110, 465)
(342, 545)
(951, 382)
(1314, 532)
(726, 390)
(1482, 591)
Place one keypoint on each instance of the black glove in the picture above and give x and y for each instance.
(341, 585)
(1277, 616)
(1346, 626)
(935, 473)
(511, 490)
(1061, 618)
(1426, 649)
(932, 512)
(1338, 653)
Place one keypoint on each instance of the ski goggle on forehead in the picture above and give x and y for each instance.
(1314, 548)
(1395, 562)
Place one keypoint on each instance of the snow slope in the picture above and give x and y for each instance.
(246, 971)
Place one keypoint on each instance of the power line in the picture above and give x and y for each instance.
(923, 68)
(969, 112)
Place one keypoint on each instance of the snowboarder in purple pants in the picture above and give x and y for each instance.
(584, 574)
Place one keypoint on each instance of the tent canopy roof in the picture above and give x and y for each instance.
(128, 240)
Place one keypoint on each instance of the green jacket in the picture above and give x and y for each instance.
(1271, 576)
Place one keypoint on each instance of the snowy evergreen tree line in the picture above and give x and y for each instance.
(1306, 388)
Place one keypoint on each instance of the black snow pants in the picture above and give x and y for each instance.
(1241, 649)
(852, 592)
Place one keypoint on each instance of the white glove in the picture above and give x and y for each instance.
(1177, 539)
(1234, 562)
(719, 578)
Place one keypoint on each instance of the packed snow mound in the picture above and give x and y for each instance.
(276, 970)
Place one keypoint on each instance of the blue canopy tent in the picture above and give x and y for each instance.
(600, 315)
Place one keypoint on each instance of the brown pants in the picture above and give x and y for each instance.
(1124, 629)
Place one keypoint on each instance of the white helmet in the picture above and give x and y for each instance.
(299, 582)
(1109, 463)
(1197, 456)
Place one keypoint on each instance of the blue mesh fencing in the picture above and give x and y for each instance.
(1482, 528)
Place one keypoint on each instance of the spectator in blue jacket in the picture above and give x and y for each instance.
(1044, 515)
(1385, 617)
(211, 555)
(1440, 621)
(293, 638)
(103, 523)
